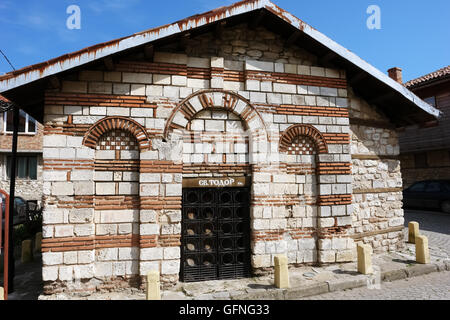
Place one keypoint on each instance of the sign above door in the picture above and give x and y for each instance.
(227, 182)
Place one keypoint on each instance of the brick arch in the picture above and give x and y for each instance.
(207, 99)
(108, 124)
(297, 130)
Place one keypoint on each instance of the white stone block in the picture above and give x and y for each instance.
(85, 153)
(326, 222)
(49, 273)
(116, 111)
(83, 188)
(307, 244)
(217, 62)
(198, 83)
(161, 79)
(339, 243)
(149, 229)
(145, 267)
(103, 269)
(285, 88)
(70, 257)
(52, 258)
(130, 77)
(252, 85)
(65, 273)
(108, 188)
(128, 188)
(128, 253)
(172, 253)
(86, 256)
(151, 254)
(170, 267)
(55, 175)
(259, 66)
(55, 141)
(62, 189)
(173, 190)
(108, 254)
(318, 71)
(83, 271)
(63, 231)
(156, 91)
(84, 215)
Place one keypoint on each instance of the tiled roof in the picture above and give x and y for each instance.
(441, 73)
(27, 75)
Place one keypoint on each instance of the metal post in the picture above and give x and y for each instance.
(5, 246)
(12, 189)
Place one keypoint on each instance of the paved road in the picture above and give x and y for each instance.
(434, 225)
(434, 286)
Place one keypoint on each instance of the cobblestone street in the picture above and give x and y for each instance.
(434, 286)
(434, 225)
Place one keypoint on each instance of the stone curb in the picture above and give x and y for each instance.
(340, 285)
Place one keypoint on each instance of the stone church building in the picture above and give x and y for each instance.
(205, 147)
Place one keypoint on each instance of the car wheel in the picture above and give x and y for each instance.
(445, 206)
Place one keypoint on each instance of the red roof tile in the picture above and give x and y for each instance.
(441, 73)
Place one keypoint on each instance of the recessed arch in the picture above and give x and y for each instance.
(187, 109)
(288, 136)
(117, 123)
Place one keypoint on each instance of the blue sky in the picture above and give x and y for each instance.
(414, 34)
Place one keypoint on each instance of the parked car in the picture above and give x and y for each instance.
(20, 210)
(431, 194)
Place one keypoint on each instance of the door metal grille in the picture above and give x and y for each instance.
(215, 234)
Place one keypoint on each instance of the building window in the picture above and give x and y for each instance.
(430, 101)
(26, 123)
(26, 167)
(420, 160)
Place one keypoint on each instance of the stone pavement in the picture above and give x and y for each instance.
(433, 286)
(434, 225)
(305, 282)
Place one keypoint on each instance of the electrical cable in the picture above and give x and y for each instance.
(6, 58)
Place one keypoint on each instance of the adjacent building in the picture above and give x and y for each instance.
(425, 149)
(203, 148)
(29, 181)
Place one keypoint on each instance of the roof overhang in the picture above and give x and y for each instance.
(389, 94)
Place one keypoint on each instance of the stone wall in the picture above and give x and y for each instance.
(281, 120)
(377, 179)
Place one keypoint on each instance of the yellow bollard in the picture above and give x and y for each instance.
(2, 294)
(422, 251)
(413, 231)
(27, 254)
(153, 286)
(281, 272)
(364, 258)
(38, 242)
